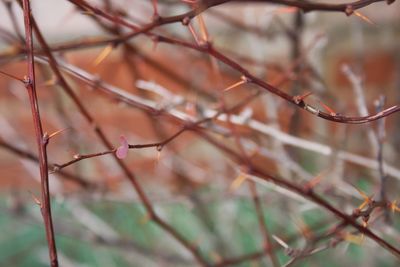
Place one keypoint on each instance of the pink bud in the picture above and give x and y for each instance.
(122, 150)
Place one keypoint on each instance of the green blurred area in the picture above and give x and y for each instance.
(143, 243)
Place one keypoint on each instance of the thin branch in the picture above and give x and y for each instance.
(175, 115)
(207, 48)
(28, 155)
(41, 138)
(100, 133)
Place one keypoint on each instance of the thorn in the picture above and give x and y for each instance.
(363, 17)
(58, 132)
(327, 108)
(103, 54)
(300, 98)
(314, 181)
(35, 199)
(203, 28)
(193, 32)
(238, 181)
(364, 195)
(367, 199)
(234, 85)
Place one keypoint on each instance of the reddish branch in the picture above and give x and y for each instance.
(268, 248)
(41, 138)
(302, 191)
(207, 48)
(127, 172)
(79, 157)
(241, 161)
(202, 5)
(27, 155)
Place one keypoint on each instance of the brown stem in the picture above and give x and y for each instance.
(107, 143)
(306, 193)
(263, 227)
(309, 194)
(207, 48)
(41, 139)
(28, 155)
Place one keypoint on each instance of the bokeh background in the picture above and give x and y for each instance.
(347, 62)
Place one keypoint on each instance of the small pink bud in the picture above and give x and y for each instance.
(122, 150)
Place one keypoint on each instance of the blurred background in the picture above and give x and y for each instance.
(349, 64)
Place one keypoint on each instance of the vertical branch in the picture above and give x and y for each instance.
(380, 138)
(107, 143)
(295, 39)
(263, 227)
(357, 85)
(267, 245)
(41, 139)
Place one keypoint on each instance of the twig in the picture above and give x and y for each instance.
(41, 138)
(127, 172)
(175, 115)
(210, 50)
(380, 139)
(27, 155)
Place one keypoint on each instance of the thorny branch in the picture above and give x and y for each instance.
(201, 127)
(250, 78)
(241, 161)
(42, 139)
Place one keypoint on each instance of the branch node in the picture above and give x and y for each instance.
(156, 19)
(45, 138)
(246, 79)
(26, 80)
(186, 21)
(206, 45)
(349, 10)
(56, 168)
